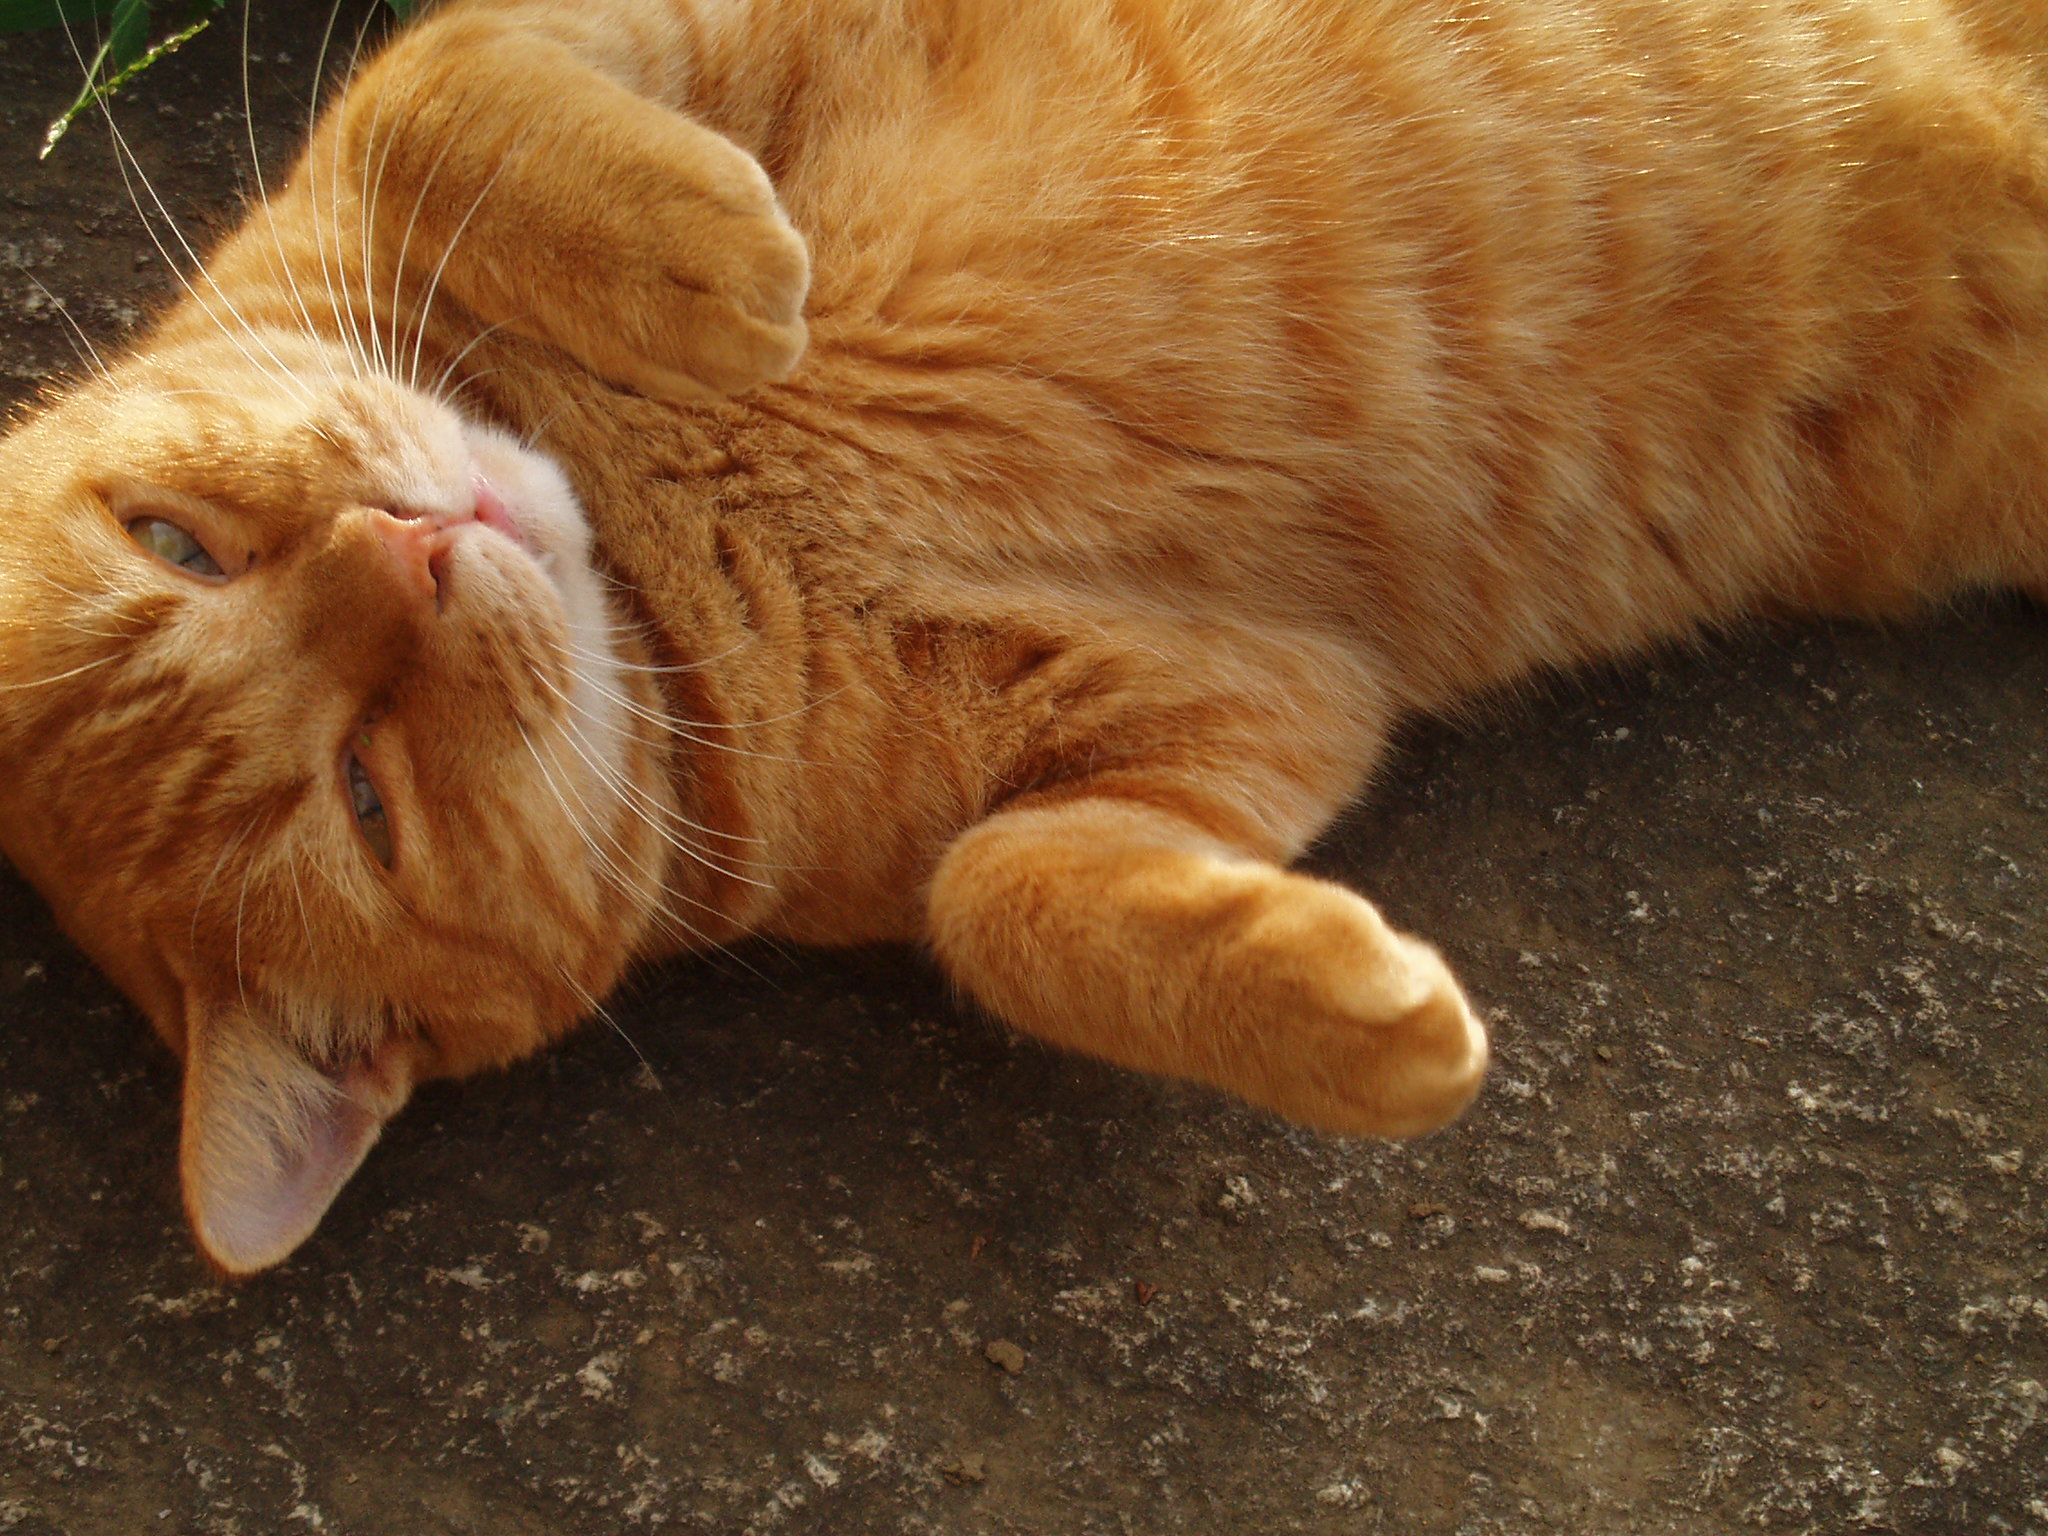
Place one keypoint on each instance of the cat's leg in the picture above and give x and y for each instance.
(1136, 908)
(508, 156)
(1121, 931)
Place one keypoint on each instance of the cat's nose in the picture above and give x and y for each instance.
(419, 549)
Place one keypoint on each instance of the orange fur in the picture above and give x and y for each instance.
(1192, 388)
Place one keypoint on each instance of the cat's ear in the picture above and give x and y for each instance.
(269, 1137)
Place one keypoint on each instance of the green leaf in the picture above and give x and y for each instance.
(130, 34)
(403, 9)
(35, 15)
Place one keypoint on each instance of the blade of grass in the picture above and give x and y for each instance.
(97, 90)
(127, 51)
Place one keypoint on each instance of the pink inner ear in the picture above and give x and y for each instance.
(269, 1138)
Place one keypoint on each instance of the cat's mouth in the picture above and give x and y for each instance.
(493, 512)
(522, 495)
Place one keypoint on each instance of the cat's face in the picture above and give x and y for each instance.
(318, 738)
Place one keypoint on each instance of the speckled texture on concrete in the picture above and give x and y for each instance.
(1745, 1234)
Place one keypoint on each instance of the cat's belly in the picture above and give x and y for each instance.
(1520, 338)
(1474, 343)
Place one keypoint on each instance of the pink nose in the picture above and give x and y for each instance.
(419, 546)
(421, 543)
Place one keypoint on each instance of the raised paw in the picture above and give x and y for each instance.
(695, 281)
(650, 248)
(704, 281)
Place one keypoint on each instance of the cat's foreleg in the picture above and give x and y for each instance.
(1112, 927)
(507, 157)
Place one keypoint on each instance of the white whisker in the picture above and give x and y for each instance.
(199, 901)
(125, 159)
(44, 682)
(606, 865)
(434, 282)
(638, 801)
(256, 171)
(597, 1010)
(426, 306)
(532, 437)
(312, 169)
(368, 193)
(603, 860)
(91, 356)
(440, 385)
(654, 671)
(685, 730)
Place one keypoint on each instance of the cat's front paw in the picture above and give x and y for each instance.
(1386, 1044)
(697, 281)
(502, 167)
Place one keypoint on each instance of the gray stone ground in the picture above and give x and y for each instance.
(1746, 1232)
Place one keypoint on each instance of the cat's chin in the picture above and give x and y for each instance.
(549, 524)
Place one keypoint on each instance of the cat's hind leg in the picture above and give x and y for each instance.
(1111, 927)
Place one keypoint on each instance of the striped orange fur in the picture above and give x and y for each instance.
(1020, 460)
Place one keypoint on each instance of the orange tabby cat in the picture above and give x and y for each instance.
(1015, 462)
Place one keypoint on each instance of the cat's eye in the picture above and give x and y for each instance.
(170, 543)
(368, 807)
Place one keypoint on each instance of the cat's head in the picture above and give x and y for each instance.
(317, 735)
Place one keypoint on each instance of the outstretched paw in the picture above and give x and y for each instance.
(1121, 931)
(1382, 1041)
